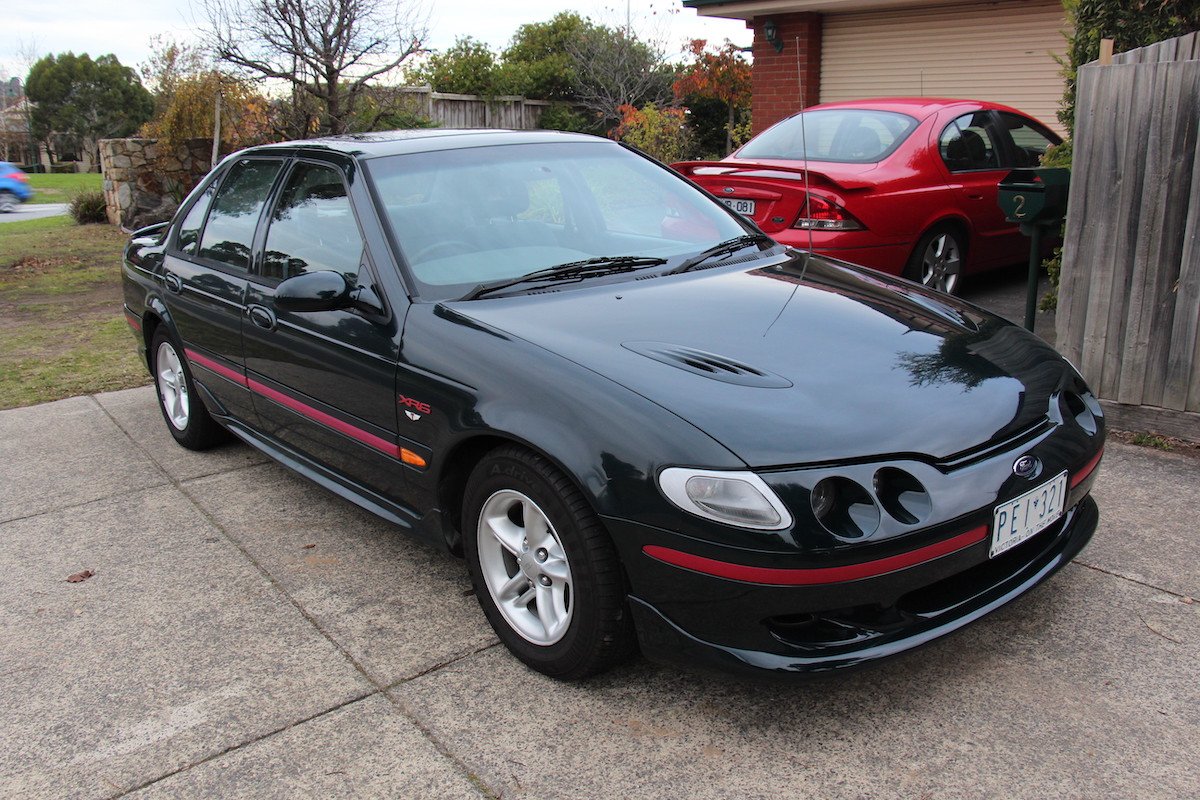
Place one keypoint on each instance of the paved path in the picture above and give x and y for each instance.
(247, 634)
(34, 211)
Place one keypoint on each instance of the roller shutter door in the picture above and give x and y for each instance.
(1003, 52)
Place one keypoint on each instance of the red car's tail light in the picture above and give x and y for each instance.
(822, 214)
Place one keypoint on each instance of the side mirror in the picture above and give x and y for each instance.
(313, 291)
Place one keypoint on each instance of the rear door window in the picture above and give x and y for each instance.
(1030, 140)
(969, 143)
(229, 234)
(189, 229)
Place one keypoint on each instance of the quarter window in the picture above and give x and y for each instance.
(312, 227)
(229, 234)
(1030, 139)
(968, 144)
(189, 229)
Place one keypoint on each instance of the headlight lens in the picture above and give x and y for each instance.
(735, 498)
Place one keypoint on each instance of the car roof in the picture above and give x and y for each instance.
(420, 140)
(915, 106)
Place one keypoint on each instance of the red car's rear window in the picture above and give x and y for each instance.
(851, 135)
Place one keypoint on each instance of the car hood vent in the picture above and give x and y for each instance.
(708, 365)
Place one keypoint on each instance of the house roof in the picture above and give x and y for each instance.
(748, 9)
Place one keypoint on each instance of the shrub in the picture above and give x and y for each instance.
(563, 117)
(658, 132)
(88, 207)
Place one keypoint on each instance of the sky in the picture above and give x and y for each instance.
(125, 28)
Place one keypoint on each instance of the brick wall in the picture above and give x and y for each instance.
(776, 76)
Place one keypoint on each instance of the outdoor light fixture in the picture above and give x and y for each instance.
(771, 33)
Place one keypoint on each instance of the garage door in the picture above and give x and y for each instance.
(1003, 52)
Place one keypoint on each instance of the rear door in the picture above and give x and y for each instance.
(324, 383)
(974, 154)
(205, 278)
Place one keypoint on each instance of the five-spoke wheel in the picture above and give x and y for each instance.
(544, 568)
(187, 418)
(938, 260)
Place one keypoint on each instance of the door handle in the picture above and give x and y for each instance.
(974, 196)
(173, 282)
(262, 316)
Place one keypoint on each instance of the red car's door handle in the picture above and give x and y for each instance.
(974, 197)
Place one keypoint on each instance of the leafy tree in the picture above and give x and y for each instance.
(1129, 23)
(538, 57)
(469, 67)
(327, 50)
(84, 100)
(722, 76)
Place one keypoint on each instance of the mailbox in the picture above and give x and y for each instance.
(1037, 200)
(1035, 196)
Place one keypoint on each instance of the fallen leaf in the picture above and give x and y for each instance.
(309, 546)
(1188, 600)
(80, 577)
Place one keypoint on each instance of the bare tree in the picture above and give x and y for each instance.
(613, 68)
(328, 50)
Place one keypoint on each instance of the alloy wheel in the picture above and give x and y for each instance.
(941, 263)
(525, 567)
(172, 385)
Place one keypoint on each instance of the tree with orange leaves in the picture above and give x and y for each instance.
(721, 75)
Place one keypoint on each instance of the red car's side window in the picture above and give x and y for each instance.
(968, 144)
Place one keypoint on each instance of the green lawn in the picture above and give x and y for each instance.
(62, 328)
(61, 188)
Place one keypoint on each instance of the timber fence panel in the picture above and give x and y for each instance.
(1129, 311)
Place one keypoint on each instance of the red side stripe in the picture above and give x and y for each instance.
(1088, 469)
(369, 439)
(133, 321)
(811, 577)
(303, 409)
(222, 370)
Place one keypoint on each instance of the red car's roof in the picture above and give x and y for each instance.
(914, 106)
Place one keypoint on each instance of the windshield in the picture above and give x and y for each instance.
(480, 215)
(849, 135)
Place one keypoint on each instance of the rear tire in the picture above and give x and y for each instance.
(8, 202)
(544, 569)
(939, 259)
(187, 419)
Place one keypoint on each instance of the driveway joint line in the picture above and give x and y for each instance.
(444, 751)
(1104, 571)
(241, 745)
(71, 506)
(442, 665)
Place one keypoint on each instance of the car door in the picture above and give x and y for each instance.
(204, 276)
(323, 382)
(975, 158)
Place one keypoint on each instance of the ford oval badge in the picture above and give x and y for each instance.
(1025, 467)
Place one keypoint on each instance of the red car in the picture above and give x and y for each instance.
(904, 185)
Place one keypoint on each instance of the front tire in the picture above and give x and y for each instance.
(939, 259)
(544, 569)
(187, 419)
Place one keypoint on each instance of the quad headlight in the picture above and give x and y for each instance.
(734, 498)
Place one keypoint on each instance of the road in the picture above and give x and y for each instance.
(34, 211)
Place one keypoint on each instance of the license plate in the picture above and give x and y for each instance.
(744, 207)
(1018, 519)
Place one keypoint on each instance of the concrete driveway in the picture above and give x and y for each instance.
(34, 211)
(247, 634)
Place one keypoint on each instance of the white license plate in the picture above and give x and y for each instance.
(744, 207)
(1022, 517)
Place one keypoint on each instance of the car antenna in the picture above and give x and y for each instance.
(804, 146)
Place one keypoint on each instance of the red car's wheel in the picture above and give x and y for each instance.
(938, 260)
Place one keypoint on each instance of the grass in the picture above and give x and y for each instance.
(62, 328)
(61, 188)
(1151, 440)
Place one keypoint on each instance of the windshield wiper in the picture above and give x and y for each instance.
(577, 270)
(726, 247)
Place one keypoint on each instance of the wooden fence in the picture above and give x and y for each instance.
(473, 111)
(1129, 300)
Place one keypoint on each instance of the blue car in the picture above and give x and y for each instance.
(14, 187)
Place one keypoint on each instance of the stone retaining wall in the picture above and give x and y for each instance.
(143, 185)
